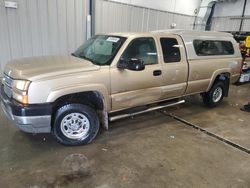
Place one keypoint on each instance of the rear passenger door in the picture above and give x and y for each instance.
(175, 66)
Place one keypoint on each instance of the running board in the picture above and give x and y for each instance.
(117, 117)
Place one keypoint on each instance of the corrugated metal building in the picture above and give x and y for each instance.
(113, 16)
(45, 27)
(227, 16)
(41, 27)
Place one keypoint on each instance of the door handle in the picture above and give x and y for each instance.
(157, 72)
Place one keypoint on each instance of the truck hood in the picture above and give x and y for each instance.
(36, 68)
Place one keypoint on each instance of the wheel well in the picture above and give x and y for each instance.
(225, 78)
(91, 98)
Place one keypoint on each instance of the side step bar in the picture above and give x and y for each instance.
(117, 117)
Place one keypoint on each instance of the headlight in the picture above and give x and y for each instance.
(22, 85)
(20, 90)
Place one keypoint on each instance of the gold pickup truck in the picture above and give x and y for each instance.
(70, 96)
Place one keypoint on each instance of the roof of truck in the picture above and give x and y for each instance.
(183, 33)
(188, 36)
(194, 32)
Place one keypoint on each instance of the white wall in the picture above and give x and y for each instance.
(233, 8)
(223, 13)
(176, 6)
(118, 17)
(41, 27)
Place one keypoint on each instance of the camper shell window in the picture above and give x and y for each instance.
(213, 47)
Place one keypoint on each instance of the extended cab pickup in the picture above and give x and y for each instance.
(70, 96)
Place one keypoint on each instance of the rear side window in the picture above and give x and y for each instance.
(170, 50)
(213, 47)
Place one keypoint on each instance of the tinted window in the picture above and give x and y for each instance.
(141, 48)
(212, 47)
(170, 50)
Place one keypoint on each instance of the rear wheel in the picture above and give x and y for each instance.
(75, 124)
(215, 95)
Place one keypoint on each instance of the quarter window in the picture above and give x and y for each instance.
(213, 47)
(170, 50)
(141, 48)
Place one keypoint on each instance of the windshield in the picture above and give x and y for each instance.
(100, 49)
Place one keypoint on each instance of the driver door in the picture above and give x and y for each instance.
(135, 88)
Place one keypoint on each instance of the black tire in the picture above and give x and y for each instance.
(82, 114)
(208, 96)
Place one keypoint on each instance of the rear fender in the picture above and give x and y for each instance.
(223, 75)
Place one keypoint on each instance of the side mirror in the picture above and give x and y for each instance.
(132, 64)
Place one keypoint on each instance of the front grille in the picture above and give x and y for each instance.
(8, 81)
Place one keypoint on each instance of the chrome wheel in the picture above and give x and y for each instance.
(75, 126)
(217, 94)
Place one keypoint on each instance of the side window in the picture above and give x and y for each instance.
(170, 50)
(213, 47)
(141, 48)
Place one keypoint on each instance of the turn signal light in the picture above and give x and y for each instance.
(22, 98)
(25, 99)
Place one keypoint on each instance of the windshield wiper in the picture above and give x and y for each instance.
(84, 57)
(73, 54)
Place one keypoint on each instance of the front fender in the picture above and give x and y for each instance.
(62, 91)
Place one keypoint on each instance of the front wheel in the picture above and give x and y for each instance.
(75, 124)
(215, 95)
